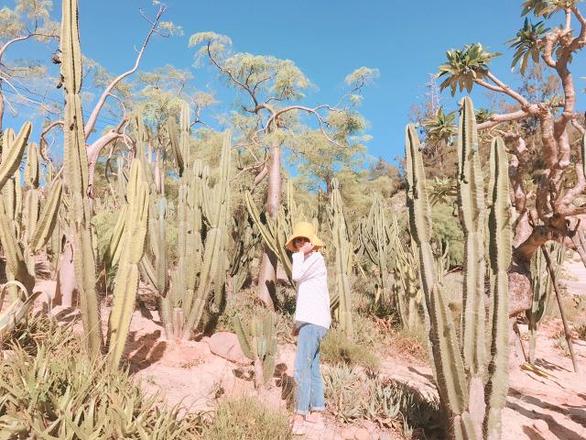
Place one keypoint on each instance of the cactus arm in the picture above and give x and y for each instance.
(500, 260)
(472, 207)
(48, 217)
(15, 261)
(245, 343)
(13, 152)
(342, 244)
(17, 310)
(116, 244)
(126, 282)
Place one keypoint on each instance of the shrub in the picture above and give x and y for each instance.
(353, 394)
(337, 349)
(447, 233)
(49, 388)
(580, 329)
(245, 305)
(247, 419)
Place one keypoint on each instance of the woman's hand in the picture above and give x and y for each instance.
(306, 248)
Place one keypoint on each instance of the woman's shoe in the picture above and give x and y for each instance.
(298, 427)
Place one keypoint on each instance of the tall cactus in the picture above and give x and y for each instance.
(472, 383)
(499, 227)
(343, 261)
(75, 164)
(132, 245)
(472, 217)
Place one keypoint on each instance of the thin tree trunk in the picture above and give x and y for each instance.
(66, 285)
(268, 270)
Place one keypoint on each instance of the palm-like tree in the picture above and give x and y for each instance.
(527, 44)
(465, 66)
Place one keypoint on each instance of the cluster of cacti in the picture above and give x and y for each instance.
(24, 228)
(407, 285)
(341, 298)
(259, 343)
(472, 382)
(203, 222)
(377, 242)
(398, 287)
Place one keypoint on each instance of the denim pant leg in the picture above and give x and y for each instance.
(307, 348)
(317, 400)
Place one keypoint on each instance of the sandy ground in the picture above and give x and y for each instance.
(547, 403)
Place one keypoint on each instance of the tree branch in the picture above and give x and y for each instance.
(91, 122)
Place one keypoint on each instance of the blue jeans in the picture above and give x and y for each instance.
(310, 386)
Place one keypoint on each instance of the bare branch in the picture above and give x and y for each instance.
(508, 91)
(91, 122)
(497, 119)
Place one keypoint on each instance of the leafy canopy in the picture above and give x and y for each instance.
(464, 66)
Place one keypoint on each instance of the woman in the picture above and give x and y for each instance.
(312, 321)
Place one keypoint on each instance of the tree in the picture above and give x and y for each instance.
(28, 20)
(66, 280)
(272, 91)
(561, 180)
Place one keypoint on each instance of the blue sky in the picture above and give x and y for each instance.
(405, 40)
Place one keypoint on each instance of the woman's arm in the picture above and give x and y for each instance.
(303, 269)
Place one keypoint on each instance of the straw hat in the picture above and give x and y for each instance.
(304, 229)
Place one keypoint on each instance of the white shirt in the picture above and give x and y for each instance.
(313, 298)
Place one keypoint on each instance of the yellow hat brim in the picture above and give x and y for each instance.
(314, 239)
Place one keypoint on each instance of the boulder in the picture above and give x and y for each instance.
(226, 345)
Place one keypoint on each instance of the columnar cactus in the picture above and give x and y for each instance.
(75, 165)
(472, 383)
(132, 249)
(259, 344)
(343, 261)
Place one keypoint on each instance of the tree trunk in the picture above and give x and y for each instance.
(66, 285)
(268, 269)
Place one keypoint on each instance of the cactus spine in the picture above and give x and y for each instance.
(76, 176)
(132, 244)
(472, 384)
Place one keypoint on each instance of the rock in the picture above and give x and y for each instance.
(362, 434)
(226, 345)
(348, 433)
